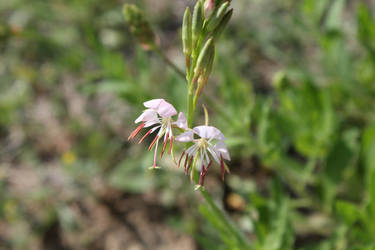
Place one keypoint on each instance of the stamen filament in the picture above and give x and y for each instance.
(136, 131)
(144, 137)
(156, 151)
(182, 156)
(153, 142)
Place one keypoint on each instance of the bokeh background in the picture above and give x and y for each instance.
(292, 89)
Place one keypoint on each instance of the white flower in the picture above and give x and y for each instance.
(159, 115)
(211, 143)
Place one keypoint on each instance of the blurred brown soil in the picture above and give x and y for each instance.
(108, 220)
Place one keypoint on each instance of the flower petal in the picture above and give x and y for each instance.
(222, 149)
(181, 121)
(153, 104)
(147, 116)
(209, 132)
(163, 108)
(185, 137)
(214, 154)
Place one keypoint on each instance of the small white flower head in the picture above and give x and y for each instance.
(158, 115)
(210, 144)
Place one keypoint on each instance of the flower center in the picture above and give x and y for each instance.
(165, 121)
(202, 143)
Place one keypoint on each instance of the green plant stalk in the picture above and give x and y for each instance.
(225, 220)
(191, 107)
(192, 102)
(219, 213)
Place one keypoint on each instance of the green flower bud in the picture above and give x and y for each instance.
(209, 7)
(216, 19)
(139, 27)
(187, 33)
(205, 58)
(197, 22)
(223, 23)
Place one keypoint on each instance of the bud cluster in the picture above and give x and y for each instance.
(204, 144)
(200, 30)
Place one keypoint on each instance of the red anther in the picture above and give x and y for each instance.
(136, 131)
(170, 145)
(208, 166)
(201, 175)
(182, 155)
(186, 159)
(144, 137)
(166, 137)
(201, 178)
(164, 146)
(190, 162)
(153, 142)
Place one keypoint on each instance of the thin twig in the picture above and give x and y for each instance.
(170, 63)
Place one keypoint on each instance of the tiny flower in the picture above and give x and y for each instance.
(159, 115)
(211, 143)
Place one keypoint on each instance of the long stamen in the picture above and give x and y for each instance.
(203, 173)
(190, 162)
(165, 145)
(144, 137)
(170, 145)
(182, 156)
(155, 153)
(186, 159)
(153, 142)
(136, 131)
(201, 176)
(208, 166)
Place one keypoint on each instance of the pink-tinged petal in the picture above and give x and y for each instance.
(222, 149)
(153, 104)
(147, 115)
(151, 123)
(185, 137)
(166, 109)
(163, 108)
(181, 121)
(209, 132)
(214, 154)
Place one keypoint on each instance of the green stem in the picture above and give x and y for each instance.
(191, 106)
(219, 213)
(225, 220)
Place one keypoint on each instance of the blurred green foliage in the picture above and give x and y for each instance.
(292, 89)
